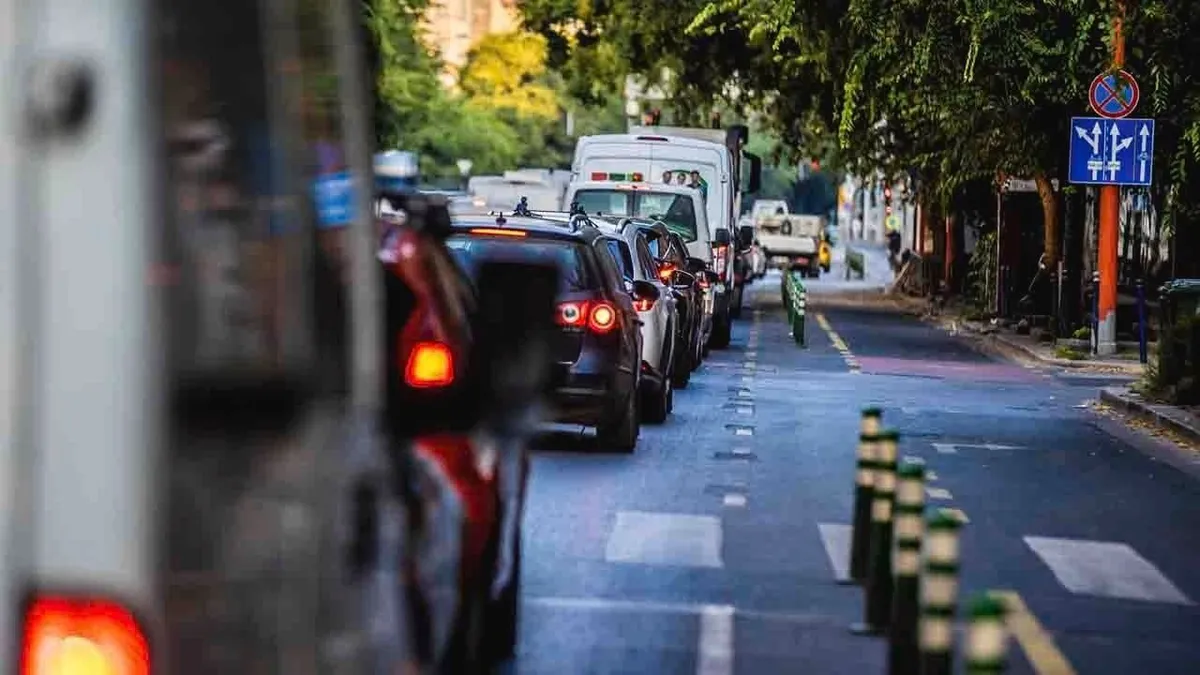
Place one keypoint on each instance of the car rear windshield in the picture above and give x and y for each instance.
(674, 210)
(470, 251)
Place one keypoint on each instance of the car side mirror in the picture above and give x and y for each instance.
(745, 237)
(721, 238)
(682, 279)
(645, 291)
(695, 265)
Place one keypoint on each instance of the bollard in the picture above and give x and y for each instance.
(1141, 309)
(939, 594)
(860, 530)
(877, 600)
(987, 637)
(800, 300)
(904, 656)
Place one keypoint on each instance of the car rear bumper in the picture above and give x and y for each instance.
(583, 396)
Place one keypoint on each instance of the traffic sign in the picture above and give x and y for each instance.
(333, 195)
(1114, 95)
(1111, 151)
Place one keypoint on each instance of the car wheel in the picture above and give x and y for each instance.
(721, 333)
(658, 402)
(681, 374)
(621, 432)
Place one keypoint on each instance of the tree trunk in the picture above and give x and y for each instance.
(1050, 230)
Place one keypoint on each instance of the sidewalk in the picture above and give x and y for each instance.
(1183, 421)
(1023, 347)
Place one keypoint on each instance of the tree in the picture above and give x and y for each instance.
(508, 72)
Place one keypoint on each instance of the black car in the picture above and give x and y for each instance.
(599, 345)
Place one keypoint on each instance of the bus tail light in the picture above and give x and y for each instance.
(82, 636)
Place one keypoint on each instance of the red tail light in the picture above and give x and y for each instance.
(665, 272)
(603, 318)
(720, 259)
(430, 364)
(573, 314)
(70, 636)
(643, 304)
(703, 280)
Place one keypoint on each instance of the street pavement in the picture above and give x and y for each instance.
(716, 546)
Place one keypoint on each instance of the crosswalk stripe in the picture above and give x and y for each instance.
(1105, 569)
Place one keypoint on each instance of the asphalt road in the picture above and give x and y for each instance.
(715, 547)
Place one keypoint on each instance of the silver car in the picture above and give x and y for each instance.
(659, 318)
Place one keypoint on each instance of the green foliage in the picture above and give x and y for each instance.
(1070, 353)
(981, 281)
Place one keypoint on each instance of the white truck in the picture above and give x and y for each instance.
(789, 240)
(684, 157)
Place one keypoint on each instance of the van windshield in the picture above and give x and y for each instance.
(676, 211)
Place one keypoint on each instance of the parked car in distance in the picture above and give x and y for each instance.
(598, 347)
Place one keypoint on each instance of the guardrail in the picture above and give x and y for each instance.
(855, 263)
(795, 301)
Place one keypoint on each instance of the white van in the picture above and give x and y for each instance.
(658, 160)
(679, 207)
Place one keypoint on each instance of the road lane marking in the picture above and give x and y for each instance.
(745, 411)
(931, 475)
(836, 539)
(734, 500)
(839, 344)
(714, 648)
(671, 539)
(1039, 647)
(938, 493)
(1106, 569)
(746, 379)
(953, 448)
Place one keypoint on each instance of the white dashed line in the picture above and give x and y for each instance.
(734, 500)
(743, 432)
(715, 647)
(665, 539)
(836, 539)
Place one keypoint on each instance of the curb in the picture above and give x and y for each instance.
(1162, 416)
(999, 345)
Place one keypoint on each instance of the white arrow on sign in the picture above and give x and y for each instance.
(952, 448)
(1142, 156)
(1117, 146)
(1093, 141)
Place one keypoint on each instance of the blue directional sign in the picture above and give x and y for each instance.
(1111, 152)
(334, 197)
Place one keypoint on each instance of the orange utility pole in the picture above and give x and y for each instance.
(1110, 214)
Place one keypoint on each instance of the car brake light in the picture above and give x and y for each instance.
(603, 318)
(643, 304)
(636, 177)
(665, 272)
(495, 231)
(69, 636)
(664, 139)
(573, 314)
(430, 364)
(599, 176)
(703, 279)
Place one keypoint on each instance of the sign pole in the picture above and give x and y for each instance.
(1110, 198)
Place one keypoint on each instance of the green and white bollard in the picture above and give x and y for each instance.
(939, 593)
(987, 637)
(877, 600)
(799, 311)
(860, 530)
(904, 654)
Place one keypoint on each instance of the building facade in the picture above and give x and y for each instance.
(454, 26)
